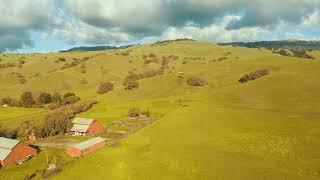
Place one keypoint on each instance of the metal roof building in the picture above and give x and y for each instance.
(6, 146)
(14, 151)
(85, 147)
(85, 126)
(83, 121)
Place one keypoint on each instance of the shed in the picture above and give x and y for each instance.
(85, 147)
(85, 126)
(14, 152)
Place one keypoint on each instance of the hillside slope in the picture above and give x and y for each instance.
(264, 129)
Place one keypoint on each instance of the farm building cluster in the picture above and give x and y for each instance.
(14, 152)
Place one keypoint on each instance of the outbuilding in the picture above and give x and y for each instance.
(86, 147)
(85, 126)
(14, 152)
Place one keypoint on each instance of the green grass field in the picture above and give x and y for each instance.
(264, 129)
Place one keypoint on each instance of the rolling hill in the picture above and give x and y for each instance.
(282, 44)
(264, 129)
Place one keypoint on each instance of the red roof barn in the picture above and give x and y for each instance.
(85, 147)
(85, 126)
(14, 151)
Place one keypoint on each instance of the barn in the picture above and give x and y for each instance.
(85, 126)
(86, 147)
(14, 152)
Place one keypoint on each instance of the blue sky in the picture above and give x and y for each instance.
(52, 25)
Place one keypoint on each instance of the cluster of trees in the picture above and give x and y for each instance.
(7, 65)
(8, 133)
(124, 53)
(254, 75)
(295, 53)
(131, 80)
(27, 100)
(75, 62)
(295, 45)
(151, 58)
(105, 87)
(151, 73)
(56, 122)
(136, 112)
(301, 54)
(196, 81)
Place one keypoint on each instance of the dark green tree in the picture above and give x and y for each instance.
(27, 99)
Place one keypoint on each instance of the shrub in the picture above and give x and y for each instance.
(134, 112)
(222, 58)
(173, 57)
(131, 85)
(254, 75)
(151, 55)
(148, 61)
(146, 113)
(105, 87)
(44, 98)
(62, 59)
(8, 133)
(196, 81)
(126, 53)
(56, 98)
(25, 129)
(131, 81)
(151, 73)
(71, 100)
(22, 61)
(68, 94)
(283, 52)
(83, 71)
(53, 106)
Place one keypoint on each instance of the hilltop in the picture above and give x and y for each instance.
(95, 48)
(264, 127)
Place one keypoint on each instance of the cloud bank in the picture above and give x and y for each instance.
(127, 21)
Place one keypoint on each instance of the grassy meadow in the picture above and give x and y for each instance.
(264, 129)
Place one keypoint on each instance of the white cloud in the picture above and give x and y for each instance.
(79, 32)
(18, 18)
(312, 21)
(217, 32)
